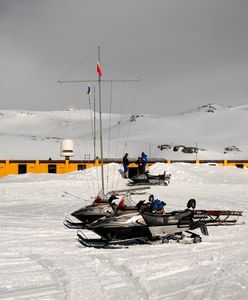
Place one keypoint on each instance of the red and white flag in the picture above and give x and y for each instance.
(98, 69)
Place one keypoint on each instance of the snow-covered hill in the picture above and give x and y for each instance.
(219, 132)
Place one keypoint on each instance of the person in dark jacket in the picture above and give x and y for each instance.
(144, 161)
(125, 162)
(139, 164)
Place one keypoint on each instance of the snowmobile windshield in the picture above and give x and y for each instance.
(100, 198)
(126, 203)
(128, 200)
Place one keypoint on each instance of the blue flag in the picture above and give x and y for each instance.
(88, 90)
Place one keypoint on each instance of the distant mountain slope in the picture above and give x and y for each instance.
(220, 131)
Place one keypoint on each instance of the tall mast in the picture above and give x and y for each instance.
(100, 108)
(94, 123)
(100, 119)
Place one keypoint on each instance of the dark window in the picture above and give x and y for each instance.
(81, 167)
(22, 169)
(52, 169)
(240, 166)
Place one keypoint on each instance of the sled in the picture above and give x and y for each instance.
(217, 217)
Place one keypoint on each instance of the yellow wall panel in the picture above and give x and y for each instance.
(11, 167)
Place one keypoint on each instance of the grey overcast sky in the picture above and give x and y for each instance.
(187, 52)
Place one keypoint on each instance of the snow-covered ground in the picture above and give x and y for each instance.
(41, 259)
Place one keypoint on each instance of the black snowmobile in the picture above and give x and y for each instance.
(102, 206)
(141, 225)
(126, 225)
(148, 179)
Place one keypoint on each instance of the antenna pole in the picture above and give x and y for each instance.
(100, 117)
(196, 151)
(94, 123)
(103, 80)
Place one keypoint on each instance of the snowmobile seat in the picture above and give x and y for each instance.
(130, 207)
(126, 208)
(175, 217)
(175, 212)
(181, 214)
(139, 178)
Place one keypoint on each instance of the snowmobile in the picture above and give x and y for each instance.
(140, 225)
(176, 225)
(124, 226)
(102, 206)
(148, 179)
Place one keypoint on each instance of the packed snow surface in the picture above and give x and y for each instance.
(41, 259)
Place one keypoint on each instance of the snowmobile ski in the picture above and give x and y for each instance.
(104, 243)
(73, 225)
(130, 183)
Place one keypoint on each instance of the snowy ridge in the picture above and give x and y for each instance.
(212, 128)
(208, 108)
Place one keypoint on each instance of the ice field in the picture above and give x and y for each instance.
(41, 259)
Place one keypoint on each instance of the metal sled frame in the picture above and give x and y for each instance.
(216, 217)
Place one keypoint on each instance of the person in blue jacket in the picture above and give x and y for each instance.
(144, 161)
(156, 205)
